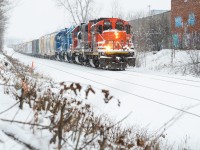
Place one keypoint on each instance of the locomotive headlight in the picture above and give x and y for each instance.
(116, 35)
(107, 48)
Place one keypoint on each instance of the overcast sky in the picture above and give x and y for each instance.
(33, 18)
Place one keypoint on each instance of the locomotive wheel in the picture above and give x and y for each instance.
(74, 58)
(65, 58)
(82, 60)
(68, 57)
(57, 57)
(96, 62)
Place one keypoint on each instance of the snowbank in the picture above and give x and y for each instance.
(55, 115)
(143, 114)
(170, 62)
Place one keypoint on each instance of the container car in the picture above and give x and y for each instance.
(35, 47)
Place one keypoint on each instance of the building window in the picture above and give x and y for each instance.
(191, 19)
(178, 22)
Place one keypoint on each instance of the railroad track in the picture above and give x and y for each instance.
(88, 71)
(133, 73)
(127, 92)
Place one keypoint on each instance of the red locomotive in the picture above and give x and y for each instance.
(103, 43)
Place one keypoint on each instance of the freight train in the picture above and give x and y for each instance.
(101, 43)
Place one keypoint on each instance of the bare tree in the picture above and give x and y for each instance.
(138, 28)
(3, 10)
(116, 9)
(159, 31)
(80, 10)
(152, 32)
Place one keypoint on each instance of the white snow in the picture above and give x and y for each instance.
(170, 61)
(139, 90)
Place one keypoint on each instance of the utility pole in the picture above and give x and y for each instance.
(149, 9)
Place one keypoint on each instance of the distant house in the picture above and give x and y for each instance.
(185, 23)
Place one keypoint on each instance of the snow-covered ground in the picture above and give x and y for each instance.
(152, 98)
(19, 131)
(169, 61)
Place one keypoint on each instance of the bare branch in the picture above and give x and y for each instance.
(9, 108)
(20, 141)
(68, 8)
(78, 9)
(28, 123)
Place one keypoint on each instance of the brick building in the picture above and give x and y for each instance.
(185, 24)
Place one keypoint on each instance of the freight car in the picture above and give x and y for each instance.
(101, 43)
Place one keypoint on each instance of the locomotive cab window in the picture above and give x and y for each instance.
(107, 25)
(79, 35)
(128, 29)
(86, 28)
(99, 29)
(76, 31)
(119, 25)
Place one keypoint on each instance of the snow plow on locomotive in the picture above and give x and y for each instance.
(102, 43)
